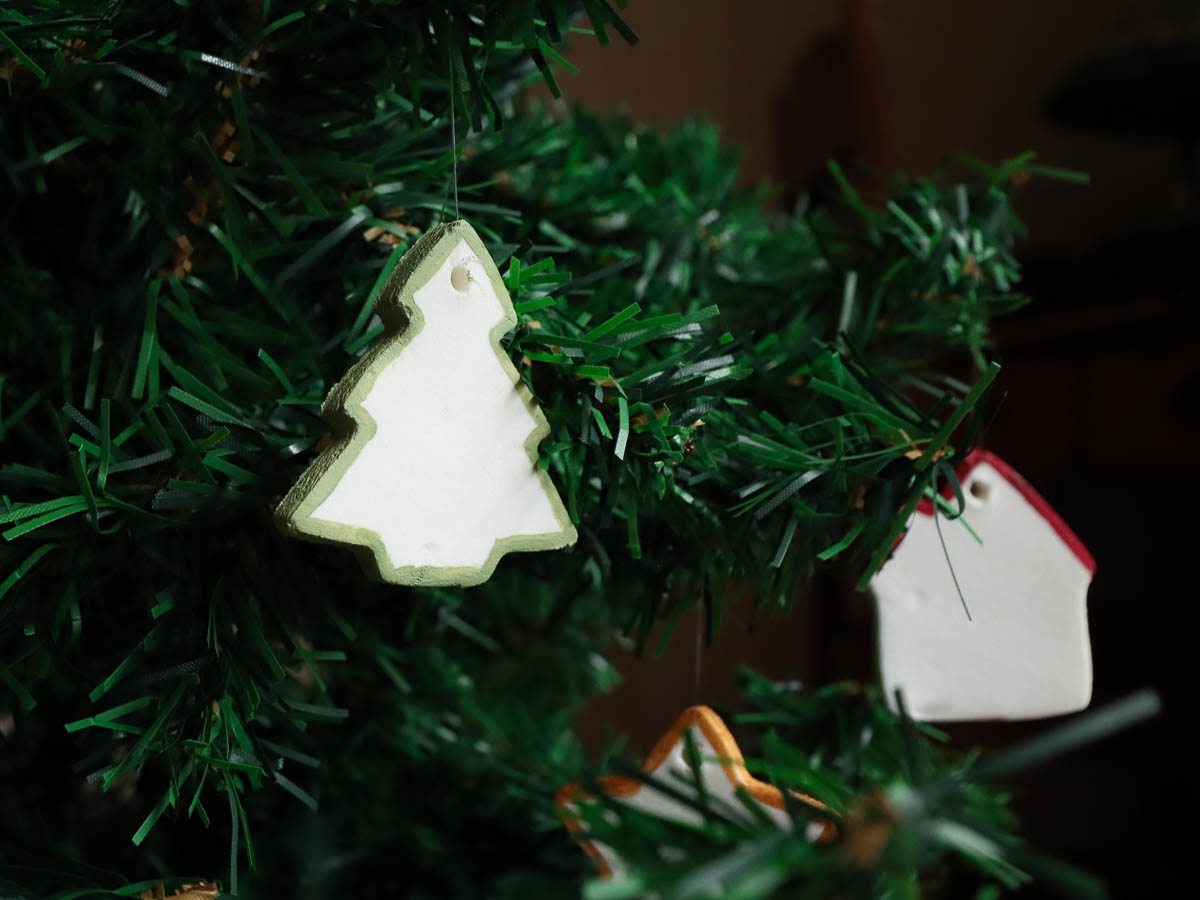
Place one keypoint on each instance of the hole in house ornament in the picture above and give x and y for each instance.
(459, 279)
(979, 490)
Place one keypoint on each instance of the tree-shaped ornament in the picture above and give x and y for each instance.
(434, 474)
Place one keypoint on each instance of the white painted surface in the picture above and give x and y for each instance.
(446, 473)
(1025, 651)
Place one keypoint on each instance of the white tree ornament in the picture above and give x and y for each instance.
(1023, 652)
(722, 772)
(434, 474)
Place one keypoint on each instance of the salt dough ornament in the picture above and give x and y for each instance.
(722, 771)
(1024, 652)
(434, 474)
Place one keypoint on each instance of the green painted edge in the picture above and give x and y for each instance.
(355, 428)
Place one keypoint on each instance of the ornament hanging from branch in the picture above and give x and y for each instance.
(434, 474)
(1000, 632)
(723, 781)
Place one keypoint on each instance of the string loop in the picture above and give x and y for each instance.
(453, 137)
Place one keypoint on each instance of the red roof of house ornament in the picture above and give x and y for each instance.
(1025, 489)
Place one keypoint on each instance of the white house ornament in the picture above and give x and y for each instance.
(722, 771)
(1023, 652)
(433, 476)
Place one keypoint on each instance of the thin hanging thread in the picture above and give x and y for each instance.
(945, 549)
(699, 650)
(453, 139)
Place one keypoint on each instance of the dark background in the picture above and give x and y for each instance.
(1101, 381)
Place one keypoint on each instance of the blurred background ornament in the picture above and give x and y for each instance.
(696, 765)
(202, 891)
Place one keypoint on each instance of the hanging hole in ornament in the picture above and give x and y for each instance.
(979, 490)
(459, 279)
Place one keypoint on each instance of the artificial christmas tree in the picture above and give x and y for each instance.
(699, 757)
(203, 203)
